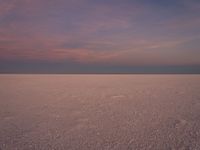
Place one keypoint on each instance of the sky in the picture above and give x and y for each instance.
(99, 36)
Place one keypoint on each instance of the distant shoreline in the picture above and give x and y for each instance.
(99, 73)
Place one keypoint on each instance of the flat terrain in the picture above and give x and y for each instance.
(102, 112)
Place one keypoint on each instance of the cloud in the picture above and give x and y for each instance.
(6, 7)
(92, 32)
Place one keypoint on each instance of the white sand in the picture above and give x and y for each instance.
(107, 112)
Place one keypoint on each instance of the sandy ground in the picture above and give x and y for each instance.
(102, 112)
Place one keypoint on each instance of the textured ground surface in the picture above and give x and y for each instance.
(106, 112)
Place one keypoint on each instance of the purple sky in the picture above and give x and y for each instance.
(99, 35)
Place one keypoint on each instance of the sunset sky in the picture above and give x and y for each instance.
(100, 36)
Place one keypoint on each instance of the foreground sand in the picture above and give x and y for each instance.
(106, 112)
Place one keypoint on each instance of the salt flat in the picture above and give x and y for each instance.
(106, 112)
